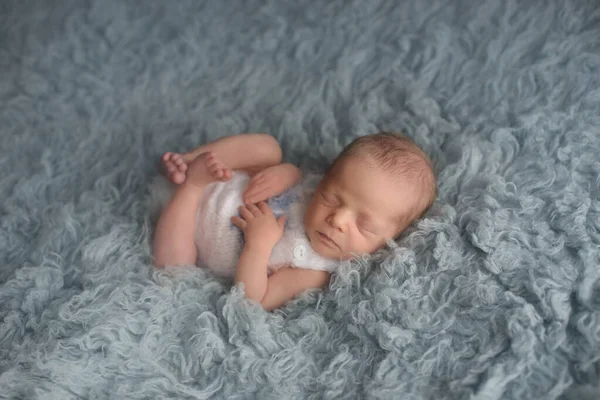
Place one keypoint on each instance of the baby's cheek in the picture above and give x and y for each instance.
(356, 245)
(370, 245)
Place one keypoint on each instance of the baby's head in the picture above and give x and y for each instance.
(375, 188)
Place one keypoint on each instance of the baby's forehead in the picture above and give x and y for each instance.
(394, 176)
(391, 194)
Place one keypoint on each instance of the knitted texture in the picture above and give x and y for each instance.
(219, 242)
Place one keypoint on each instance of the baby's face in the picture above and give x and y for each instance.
(355, 209)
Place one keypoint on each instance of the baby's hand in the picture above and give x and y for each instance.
(259, 225)
(271, 182)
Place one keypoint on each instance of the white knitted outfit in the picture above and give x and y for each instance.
(220, 243)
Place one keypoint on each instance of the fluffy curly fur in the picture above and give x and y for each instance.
(495, 294)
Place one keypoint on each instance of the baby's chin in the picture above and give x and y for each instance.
(326, 253)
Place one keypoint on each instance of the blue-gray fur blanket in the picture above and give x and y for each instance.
(494, 295)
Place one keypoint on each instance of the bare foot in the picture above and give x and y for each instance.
(174, 166)
(207, 168)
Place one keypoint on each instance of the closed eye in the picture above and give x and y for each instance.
(326, 199)
(365, 224)
(366, 228)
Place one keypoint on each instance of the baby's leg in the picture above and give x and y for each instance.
(174, 238)
(251, 152)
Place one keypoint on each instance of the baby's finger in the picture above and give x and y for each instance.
(245, 213)
(237, 221)
(258, 177)
(255, 195)
(264, 208)
(253, 184)
(216, 171)
(254, 209)
(281, 221)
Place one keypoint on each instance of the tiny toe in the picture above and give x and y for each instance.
(211, 162)
(178, 177)
(182, 167)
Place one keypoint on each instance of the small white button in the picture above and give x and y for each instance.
(300, 252)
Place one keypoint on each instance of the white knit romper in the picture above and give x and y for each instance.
(220, 243)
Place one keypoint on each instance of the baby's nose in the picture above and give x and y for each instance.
(339, 219)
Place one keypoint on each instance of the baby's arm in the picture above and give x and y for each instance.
(271, 182)
(279, 288)
(287, 283)
(262, 231)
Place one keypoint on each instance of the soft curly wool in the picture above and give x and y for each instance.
(494, 295)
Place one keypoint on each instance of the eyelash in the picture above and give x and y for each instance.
(364, 228)
(326, 199)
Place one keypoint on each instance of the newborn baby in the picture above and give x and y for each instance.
(374, 190)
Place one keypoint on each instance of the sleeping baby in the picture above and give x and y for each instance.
(238, 210)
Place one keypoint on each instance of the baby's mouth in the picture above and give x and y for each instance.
(327, 240)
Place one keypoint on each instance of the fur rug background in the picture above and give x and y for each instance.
(495, 295)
